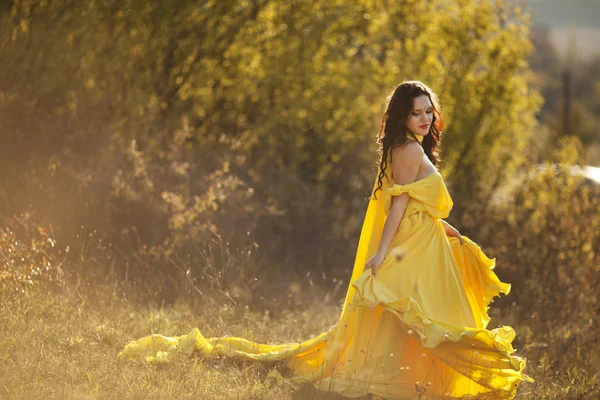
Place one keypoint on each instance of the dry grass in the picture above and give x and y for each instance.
(63, 343)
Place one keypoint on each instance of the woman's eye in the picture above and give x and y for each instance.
(429, 111)
(415, 114)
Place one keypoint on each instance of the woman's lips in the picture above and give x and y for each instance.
(423, 126)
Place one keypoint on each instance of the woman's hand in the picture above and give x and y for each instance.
(453, 232)
(374, 262)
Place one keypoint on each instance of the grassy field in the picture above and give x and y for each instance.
(63, 343)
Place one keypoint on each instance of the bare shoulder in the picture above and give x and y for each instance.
(406, 161)
(410, 151)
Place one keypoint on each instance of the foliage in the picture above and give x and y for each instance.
(168, 217)
(545, 236)
(289, 95)
(27, 258)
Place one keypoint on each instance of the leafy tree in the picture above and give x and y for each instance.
(291, 94)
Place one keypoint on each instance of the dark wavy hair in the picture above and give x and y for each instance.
(394, 132)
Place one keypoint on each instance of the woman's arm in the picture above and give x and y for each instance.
(447, 226)
(451, 231)
(392, 221)
(405, 166)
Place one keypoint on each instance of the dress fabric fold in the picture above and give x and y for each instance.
(419, 326)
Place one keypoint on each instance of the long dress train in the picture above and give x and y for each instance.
(417, 326)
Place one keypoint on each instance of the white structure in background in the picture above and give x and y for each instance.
(504, 194)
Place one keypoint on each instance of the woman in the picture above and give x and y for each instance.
(415, 315)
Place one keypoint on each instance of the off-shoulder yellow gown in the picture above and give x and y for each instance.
(417, 326)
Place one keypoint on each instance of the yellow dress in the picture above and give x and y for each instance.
(417, 326)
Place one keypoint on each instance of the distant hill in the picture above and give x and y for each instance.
(583, 15)
(558, 13)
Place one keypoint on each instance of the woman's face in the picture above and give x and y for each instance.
(419, 120)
